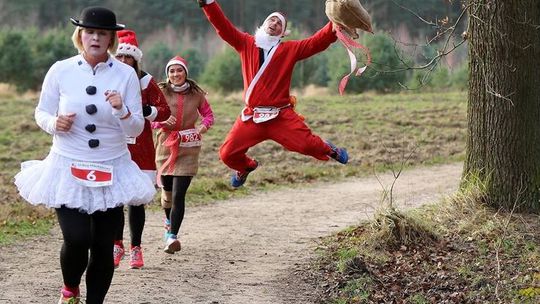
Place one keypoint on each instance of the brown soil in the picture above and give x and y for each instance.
(250, 250)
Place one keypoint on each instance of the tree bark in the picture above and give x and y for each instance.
(503, 146)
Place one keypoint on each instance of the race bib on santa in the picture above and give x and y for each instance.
(131, 140)
(262, 114)
(92, 174)
(190, 138)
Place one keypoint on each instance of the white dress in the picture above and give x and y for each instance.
(56, 181)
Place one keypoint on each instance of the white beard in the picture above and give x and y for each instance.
(265, 41)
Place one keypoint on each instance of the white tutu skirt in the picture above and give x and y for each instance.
(49, 182)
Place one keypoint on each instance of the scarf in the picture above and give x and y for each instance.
(180, 88)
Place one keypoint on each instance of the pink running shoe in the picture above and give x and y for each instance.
(118, 254)
(136, 259)
(68, 297)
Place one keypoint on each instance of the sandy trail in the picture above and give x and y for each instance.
(238, 251)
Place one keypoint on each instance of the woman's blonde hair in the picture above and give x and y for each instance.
(77, 41)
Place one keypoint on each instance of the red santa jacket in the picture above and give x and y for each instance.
(142, 151)
(272, 88)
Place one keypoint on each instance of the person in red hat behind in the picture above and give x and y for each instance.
(142, 151)
(179, 141)
(267, 66)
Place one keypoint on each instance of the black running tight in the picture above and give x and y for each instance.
(136, 216)
(178, 185)
(83, 232)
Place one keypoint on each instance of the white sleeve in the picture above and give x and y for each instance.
(134, 124)
(152, 115)
(47, 108)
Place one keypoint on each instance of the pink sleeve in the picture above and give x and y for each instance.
(207, 115)
(156, 125)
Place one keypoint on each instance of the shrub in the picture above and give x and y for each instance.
(195, 62)
(55, 45)
(440, 78)
(155, 60)
(383, 75)
(27, 55)
(223, 72)
(16, 60)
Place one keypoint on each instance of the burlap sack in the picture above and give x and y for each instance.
(350, 15)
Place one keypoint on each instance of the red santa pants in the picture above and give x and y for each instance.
(288, 129)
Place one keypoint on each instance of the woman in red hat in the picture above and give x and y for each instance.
(179, 141)
(142, 151)
(88, 102)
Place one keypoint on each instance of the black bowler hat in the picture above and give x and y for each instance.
(98, 18)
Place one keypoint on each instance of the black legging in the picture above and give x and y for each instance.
(178, 185)
(137, 217)
(83, 232)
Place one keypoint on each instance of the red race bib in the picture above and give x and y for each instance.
(190, 138)
(92, 174)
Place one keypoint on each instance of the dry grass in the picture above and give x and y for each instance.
(376, 129)
(455, 251)
(312, 91)
(391, 229)
(8, 92)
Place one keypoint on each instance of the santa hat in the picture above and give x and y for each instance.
(177, 60)
(281, 16)
(128, 45)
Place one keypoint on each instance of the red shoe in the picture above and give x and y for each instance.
(68, 297)
(136, 258)
(118, 254)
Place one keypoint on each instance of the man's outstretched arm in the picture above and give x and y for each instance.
(223, 26)
(319, 42)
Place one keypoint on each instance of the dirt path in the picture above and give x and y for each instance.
(238, 251)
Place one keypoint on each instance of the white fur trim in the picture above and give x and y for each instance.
(131, 50)
(284, 31)
(153, 114)
(255, 80)
(145, 81)
(176, 62)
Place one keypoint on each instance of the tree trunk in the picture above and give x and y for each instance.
(503, 146)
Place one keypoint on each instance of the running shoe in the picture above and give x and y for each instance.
(238, 179)
(136, 258)
(172, 244)
(167, 224)
(118, 254)
(68, 297)
(339, 154)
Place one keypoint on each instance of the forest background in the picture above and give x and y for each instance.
(34, 34)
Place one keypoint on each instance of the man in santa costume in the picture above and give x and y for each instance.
(267, 66)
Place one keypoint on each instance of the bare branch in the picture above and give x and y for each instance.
(504, 232)
(417, 16)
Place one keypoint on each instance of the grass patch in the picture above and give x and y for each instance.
(16, 230)
(455, 251)
(376, 129)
